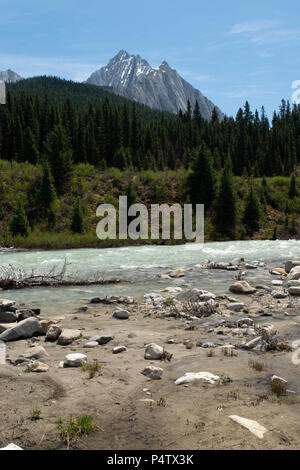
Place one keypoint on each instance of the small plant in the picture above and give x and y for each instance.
(92, 368)
(256, 365)
(169, 301)
(162, 402)
(35, 415)
(210, 353)
(233, 395)
(75, 429)
(229, 352)
(278, 388)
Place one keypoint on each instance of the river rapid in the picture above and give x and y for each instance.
(140, 266)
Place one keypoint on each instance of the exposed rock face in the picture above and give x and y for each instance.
(161, 88)
(9, 76)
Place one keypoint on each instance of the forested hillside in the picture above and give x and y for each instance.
(67, 147)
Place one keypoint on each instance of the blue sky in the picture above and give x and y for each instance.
(231, 50)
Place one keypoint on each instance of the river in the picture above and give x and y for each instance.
(141, 266)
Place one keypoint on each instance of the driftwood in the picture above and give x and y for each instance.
(12, 277)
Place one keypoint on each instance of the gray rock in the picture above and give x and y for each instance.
(67, 336)
(121, 314)
(235, 307)
(244, 321)
(53, 333)
(154, 373)
(289, 265)
(206, 345)
(294, 274)
(277, 294)
(37, 352)
(153, 351)
(25, 329)
(294, 290)
(8, 317)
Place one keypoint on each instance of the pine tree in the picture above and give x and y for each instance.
(253, 212)
(293, 187)
(225, 207)
(77, 218)
(48, 197)
(19, 224)
(202, 179)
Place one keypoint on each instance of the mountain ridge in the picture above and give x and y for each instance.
(160, 88)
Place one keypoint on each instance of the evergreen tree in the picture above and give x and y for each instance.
(202, 179)
(19, 224)
(293, 187)
(253, 212)
(77, 218)
(48, 197)
(225, 207)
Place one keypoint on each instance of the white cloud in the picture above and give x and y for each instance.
(253, 26)
(265, 32)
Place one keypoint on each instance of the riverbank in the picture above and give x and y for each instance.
(244, 340)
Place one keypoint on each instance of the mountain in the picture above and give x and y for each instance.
(161, 88)
(9, 76)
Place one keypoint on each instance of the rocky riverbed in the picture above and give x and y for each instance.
(180, 368)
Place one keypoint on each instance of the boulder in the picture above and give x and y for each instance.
(119, 349)
(235, 306)
(121, 314)
(294, 290)
(176, 273)
(37, 366)
(242, 287)
(67, 336)
(289, 265)
(294, 274)
(154, 373)
(252, 426)
(75, 360)
(8, 317)
(244, 322)
(191, 377)
(153, 351)
(279, 294)
(4, 303)
(104, 339)
(45, 324)
(25, 329)
(53, 333)
(37, 352)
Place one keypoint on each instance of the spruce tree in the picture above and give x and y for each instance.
(48, 197)
(253, 212)
(19, 224)
(225, 207)
(202, 179)
(293, 187)
(77, 217)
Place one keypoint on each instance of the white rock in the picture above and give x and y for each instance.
(53, 333)
(289, 265)
(154, 373)
(275, 378)
(253, 426)
(119, 349)
(153, 351)
(278, 294)
(191, 376)
(75, 360)
(11, 447)
(277, 283)
(147, 400)
(91, 344)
